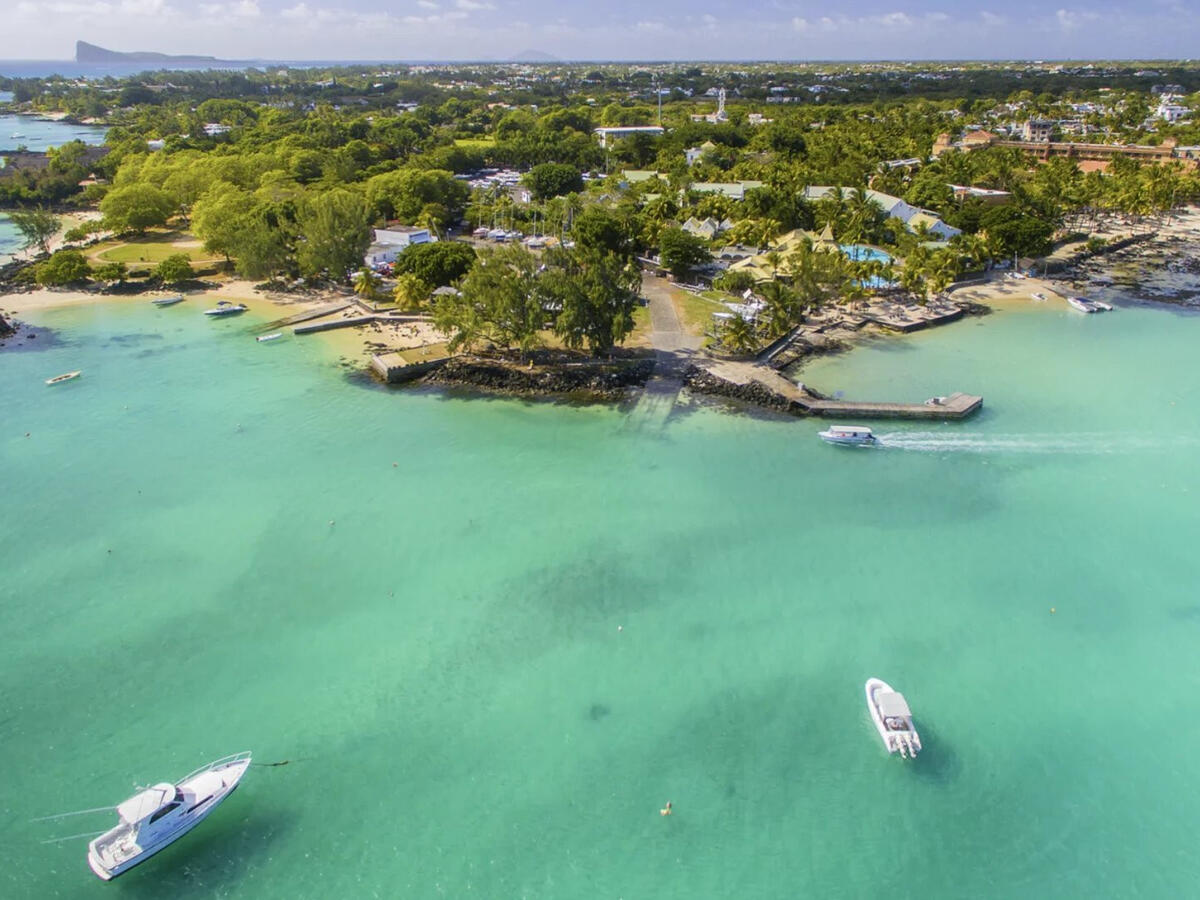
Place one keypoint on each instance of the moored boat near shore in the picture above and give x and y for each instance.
(893, 719)
(160, 815)
(167, 301)
(59, 379)
(1082, 304)
(226, 308)
(263, 338)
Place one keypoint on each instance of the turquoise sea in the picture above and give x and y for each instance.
(33, 133)
(494, 638)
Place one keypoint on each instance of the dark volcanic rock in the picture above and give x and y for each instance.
(703, 382)
(592, 380)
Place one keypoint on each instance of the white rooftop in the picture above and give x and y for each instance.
(147, 802)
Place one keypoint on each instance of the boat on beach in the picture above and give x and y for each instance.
(59, 379)
(158, 816)
(893, 719)
(849, 435)
(263, 338)
(1038, 295)
(167, 301)
(1082, 304)
(226, 308)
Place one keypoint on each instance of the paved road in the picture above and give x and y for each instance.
(674, 346)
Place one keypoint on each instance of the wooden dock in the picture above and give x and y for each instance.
(354, 321)
(798, 400)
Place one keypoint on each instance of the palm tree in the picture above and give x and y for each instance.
(366, 284)
(738, 336)
(782, 311)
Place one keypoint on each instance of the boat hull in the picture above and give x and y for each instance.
(233, 772)
(890, 738)
(845, 441)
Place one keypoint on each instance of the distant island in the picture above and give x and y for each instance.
(90, 53)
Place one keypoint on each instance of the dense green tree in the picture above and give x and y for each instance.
(737, 336)
(111, 272)
(596, 292)
(175, 268)
(37, 226)
(136, 207)
(410, 291)
(367, 284)
(553, 180)
(404, 193)
(681, 252)
(603, 229)
(334, 234)
(436, 263)
(499, 300)
(63, 267)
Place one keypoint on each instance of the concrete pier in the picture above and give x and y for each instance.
(392, 368)
(736, 379)
(354, 321)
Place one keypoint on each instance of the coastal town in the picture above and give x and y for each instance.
(732, 478)
(551, 228)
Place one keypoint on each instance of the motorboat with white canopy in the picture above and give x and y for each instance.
(850, 435)
(893, 719)
(157, 816)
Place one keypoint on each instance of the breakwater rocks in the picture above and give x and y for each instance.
(591, 380)
(6, 328)
(755, 393)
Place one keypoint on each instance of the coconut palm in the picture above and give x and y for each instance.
(737, 336)
(366, 284)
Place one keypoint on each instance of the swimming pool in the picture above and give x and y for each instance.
(863, 253)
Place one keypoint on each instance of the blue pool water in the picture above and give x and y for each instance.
(863, 253)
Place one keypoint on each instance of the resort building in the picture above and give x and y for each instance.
(913, 217)
(706, 228)
(1170, 111)
(608, 135)
(391, 242)
(1038, 130)
(985, 195)
(734, 190)
(694, 154)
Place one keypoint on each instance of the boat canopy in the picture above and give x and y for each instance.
(146, 803)
(849, 429)
(892, 705)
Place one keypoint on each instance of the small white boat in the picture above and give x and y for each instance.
(59, 379)
(263, 338)
(1100, 304)
(856, 435)
(167, 301)
(1082, 304)
(160, 815)
(1038, 295)
(225, 308)
(17, 134)
(893, 719)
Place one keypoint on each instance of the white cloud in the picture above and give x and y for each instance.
(472, 5)
(427, 4)
(1069, 20)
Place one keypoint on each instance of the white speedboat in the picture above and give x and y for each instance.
(1100, 304)
(167, 301)
(856, 435)
(160, 815)
(225, 308)
(1082, 304)
(59, 379)
(263, 338)
(893, 719)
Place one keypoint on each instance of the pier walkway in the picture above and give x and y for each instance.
(955, 406)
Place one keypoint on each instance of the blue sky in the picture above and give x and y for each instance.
(621, 29)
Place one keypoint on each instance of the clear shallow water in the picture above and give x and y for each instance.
(443, 664)
(33, 133)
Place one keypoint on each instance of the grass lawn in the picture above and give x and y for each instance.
(640, 336)
(152, 247)
(424, 353)
(695, 313)
(475, 143)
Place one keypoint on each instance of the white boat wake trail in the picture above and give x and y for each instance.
(1079, 443)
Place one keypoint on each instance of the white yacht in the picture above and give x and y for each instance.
(858, 435)
(893, 719)
(157, 816)
(225, 308)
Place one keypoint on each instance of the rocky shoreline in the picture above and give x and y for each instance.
(603, 381)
